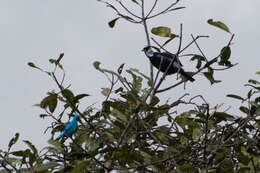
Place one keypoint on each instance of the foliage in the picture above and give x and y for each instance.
(134, 131)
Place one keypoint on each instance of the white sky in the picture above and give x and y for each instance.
(36, 30)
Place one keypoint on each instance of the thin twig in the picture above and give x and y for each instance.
(253, 164)
(164, 11)
(206, 137)
(147, 37)
(199, 48)
(10, 164)
(155, 3)
(200, 36)
(127, 10)
(220, 69)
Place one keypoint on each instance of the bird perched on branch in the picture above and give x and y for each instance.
(70, 128)
(162, 60)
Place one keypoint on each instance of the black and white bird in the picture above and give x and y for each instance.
(162, 64)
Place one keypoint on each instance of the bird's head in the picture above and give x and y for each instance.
(76, 116)
(145, 49)
(148, 51)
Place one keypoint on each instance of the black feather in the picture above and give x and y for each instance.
(162, 60)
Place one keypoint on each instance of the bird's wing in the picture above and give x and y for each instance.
(170, 56)
(72, 127)
(69, 126)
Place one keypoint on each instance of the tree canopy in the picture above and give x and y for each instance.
(133, 130)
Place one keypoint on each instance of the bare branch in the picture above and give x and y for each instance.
(200, 36)
(166, 10)
(147, 37)
(127, 10)
(151, 10)
(199, 48)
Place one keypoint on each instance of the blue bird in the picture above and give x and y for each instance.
(70, 128)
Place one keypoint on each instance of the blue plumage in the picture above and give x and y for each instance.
(70, 128)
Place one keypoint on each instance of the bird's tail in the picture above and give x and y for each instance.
(60, 136)
(183, 73)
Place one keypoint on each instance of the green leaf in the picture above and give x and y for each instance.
(81, 166)
(161, 136)
(147, 157)
(105, 91)
(258, 73)
(243, 158)
(154, 101)
(120, 69)
(46, 166)
(196, 133)
(33, 65)
(96, 64)
(113, 22)
(59, 59)
(225, 53)
(257, 100)
(210, 77)
(25, 153)
(68, 94)
(186, 167)
(221, 155)
(57, 145)
(163, 32)
(252, 81)
(137, 81)
(120, 89)
(92, 144)
(224, 56)
(43, 115)
(78, 97)
(222, 116)
(199, 59)
(50, 102)
(143, 75)
(120, 115)
(218, 24)
(134, 1)
(53, 103)
(235, 97)
(33, 148)
(52, 61)
(244, 109)
(227, 165)
(249, 94)
(13, 140)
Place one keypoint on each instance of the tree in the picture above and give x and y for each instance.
(126, 133)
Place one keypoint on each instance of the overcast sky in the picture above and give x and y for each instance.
(36, 30)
